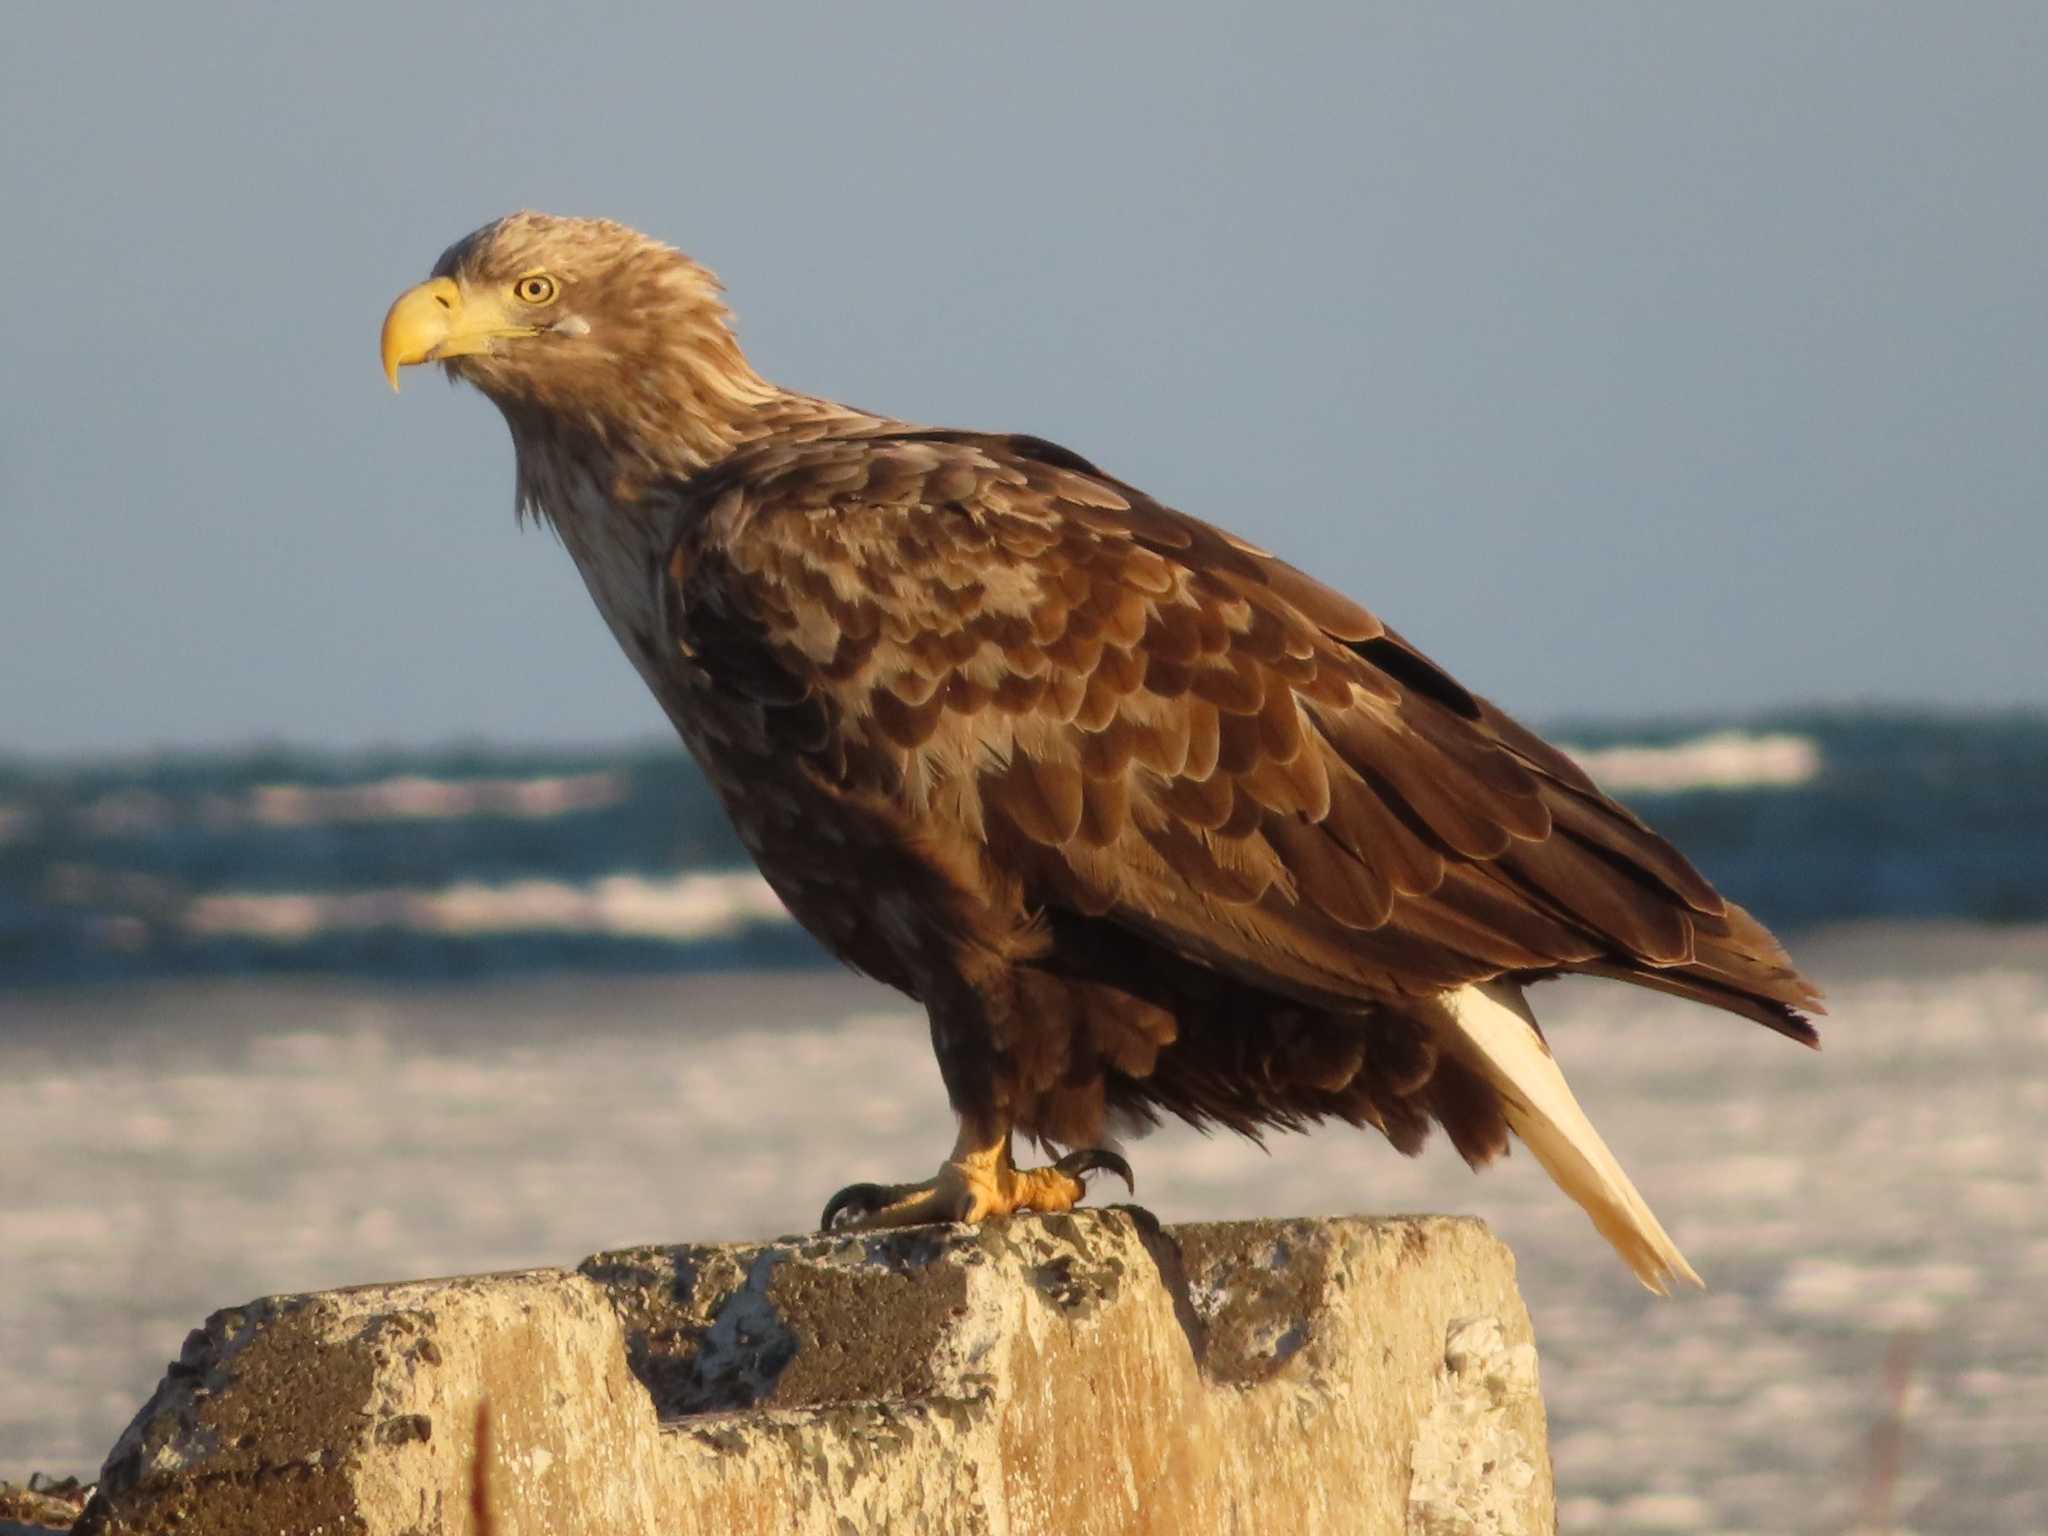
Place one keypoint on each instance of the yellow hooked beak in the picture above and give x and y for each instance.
(439, 320)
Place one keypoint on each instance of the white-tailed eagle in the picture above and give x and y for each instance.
(1148, 820)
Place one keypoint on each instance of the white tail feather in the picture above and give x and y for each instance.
(1496, 1035)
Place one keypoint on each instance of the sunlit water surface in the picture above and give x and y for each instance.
(1872, 1221)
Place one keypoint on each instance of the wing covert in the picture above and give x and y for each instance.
(1127, 713)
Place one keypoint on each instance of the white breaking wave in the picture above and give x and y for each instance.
(416, 797)
(1719, 760)
(696, 906)
(403, 797)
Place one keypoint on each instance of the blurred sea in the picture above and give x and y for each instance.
(514, 1008)
(474, 861)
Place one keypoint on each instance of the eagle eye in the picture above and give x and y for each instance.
(535, 288)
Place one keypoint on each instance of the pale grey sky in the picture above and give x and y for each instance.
(1629, 357)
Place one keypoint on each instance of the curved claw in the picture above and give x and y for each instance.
(1096, 1160)
(861, 1198)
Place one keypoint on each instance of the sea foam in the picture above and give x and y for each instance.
(1717, 760)
(682, 907)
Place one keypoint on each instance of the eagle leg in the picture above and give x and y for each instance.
(978, 1181)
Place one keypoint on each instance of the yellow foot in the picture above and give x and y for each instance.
(971, 1186)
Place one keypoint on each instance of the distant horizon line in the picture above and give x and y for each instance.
(654, 740)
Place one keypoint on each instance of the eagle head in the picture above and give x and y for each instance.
(582, 323)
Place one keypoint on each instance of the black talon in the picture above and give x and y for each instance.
(862, 1197)
(1096, 1160)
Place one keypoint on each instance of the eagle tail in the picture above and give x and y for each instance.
(1497, 1036)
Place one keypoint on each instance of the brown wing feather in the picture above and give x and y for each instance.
(1135, 714)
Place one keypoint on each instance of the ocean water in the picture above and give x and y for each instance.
(474, 862)
(279, 1022)
(1871, 1221)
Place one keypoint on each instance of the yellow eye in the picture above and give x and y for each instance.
(535, 288)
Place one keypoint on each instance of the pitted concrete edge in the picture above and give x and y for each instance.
(1084, 1373)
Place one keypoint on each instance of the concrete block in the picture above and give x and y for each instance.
(1065, 1375)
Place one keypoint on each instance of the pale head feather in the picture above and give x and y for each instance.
(638, 372)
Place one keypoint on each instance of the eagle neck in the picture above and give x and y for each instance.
(577, 472)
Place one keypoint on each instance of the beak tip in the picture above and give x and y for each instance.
(416, 327)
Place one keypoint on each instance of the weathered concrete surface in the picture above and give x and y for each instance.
(40, 1507)
(1071, 1375)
